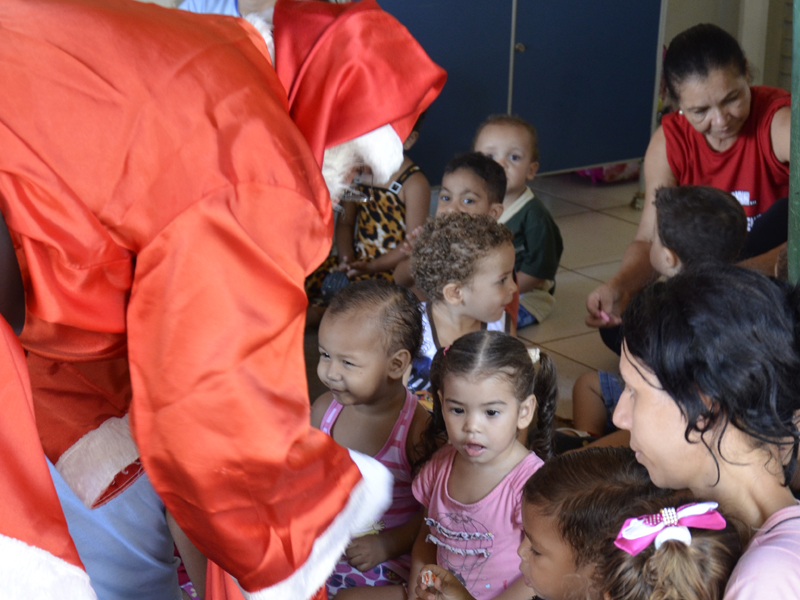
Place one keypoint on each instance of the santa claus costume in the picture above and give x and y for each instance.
(165, 210)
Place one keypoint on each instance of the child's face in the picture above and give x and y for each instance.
(482, 417)
(492, 285)
(353, 362)
(463, 191)
(547, 562)
(510, 146)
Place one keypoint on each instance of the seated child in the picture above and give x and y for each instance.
(471, 183)
(694, 225)
(513, 143)
(595, 530)
(464, 264)
(486, 389)
(369, 233)
(367, 338)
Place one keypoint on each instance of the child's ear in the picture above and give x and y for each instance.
(398, 363)
(527, 408)
(452, 293)
(532, 170)
(672, 261)
(496, 210)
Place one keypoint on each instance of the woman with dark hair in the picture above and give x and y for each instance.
(711, 368)
(726, 134)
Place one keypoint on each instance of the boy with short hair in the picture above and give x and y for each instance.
(694, 225)
(472, 183)
(513, 143)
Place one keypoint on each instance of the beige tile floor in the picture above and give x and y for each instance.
(596, 223)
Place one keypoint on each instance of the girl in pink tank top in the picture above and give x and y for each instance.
(367, 339)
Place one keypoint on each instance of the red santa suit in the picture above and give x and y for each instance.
(165, 211)
(37, 557)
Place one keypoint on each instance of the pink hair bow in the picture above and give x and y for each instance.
(669, 524)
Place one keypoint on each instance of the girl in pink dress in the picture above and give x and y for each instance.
(486, 392)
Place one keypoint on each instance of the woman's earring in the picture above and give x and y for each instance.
(680, 112)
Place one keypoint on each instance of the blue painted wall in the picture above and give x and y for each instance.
(585, 80)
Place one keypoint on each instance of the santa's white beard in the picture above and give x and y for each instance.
(381, 150)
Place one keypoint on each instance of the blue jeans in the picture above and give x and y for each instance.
(125, 544)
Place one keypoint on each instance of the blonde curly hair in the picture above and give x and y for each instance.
(449, 248)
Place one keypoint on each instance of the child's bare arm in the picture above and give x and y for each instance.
(319, 407)
(367, 552)
(416, 195)
(527, 283)
(345, 232)
(516, 591)
(402, 272)
(415, 430)
(193, 560)
(423, 553)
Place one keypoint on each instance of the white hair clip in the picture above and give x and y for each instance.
(535, 354)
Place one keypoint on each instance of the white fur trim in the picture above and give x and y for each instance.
(368, 501)
(338, 165)
(30, 573)
(262, 21)
(382, 151)
(90, 464)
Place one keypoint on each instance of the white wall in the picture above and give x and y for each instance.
(759, 25)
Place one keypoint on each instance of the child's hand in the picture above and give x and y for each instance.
(359, 267)
(407, 245)
(445, 586)
(366, 552)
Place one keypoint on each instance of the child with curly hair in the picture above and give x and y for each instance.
(464, 264)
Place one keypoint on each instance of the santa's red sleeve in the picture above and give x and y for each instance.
(162, 202)
(220, 409)
(37, 556)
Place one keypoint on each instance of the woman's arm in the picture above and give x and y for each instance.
(635, 272)
(780, 133)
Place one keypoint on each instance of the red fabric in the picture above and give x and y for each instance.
(220, 586)
(31, 511)
(129, 133)
(748, 166)
(381, 74)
